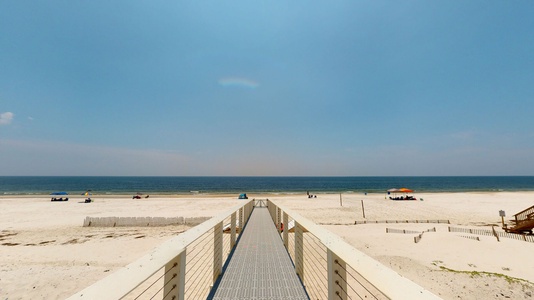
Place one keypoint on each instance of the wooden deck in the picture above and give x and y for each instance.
(524, 221)
(260, 267)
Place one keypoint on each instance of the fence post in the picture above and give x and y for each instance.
(337, 277)
(495, 233)
(175, 281)
(217, 250)
(299, 251)
(286, 230)
(232, 230)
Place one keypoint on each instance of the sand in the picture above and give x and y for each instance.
(45, 253)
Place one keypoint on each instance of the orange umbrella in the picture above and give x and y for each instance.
(405, 190)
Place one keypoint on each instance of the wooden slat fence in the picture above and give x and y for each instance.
(392, 230)
(515, 236)
(476, 238)
(417, 238)
(141, 221)
(404, 231)
(403, 221)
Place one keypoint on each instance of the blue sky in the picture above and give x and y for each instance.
(332, 88)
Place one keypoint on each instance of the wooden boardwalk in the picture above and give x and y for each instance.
(260, 267)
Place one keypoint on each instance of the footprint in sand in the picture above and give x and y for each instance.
(46, 242)
(73, 241)
(10, 244)
(6, 234)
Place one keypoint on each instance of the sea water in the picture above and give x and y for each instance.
(30, 185)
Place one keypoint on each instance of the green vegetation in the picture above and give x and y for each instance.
(509, 279)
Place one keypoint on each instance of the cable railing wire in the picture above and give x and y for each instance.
(173, 287)
(344, 291)
(197, 253)
(316, 267)
(158, 279)
(318, 285)
(197, 279)
(164, 285)
(354, 278)
(347, 284)
(315, 250)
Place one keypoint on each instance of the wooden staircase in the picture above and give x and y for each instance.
(524, 221)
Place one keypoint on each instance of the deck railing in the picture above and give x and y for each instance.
(527, 214)
(187, 266)
(330, 268)
(184, 267)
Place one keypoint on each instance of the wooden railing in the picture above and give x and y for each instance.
(524, 215)
(330, 268)
(184, 267)
(187, 266)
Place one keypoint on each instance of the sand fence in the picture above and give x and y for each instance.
(515, 236)
(476, 231)
(402, 221)
(141, 221)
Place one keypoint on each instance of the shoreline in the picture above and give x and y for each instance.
(257, 194)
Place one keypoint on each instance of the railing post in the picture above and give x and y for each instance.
(248, 209)
(337, 277)
(286, 229)
(278, 218)
(232, 231)
(245, 214)
(270, 208)
(174, 279)
(299, 251)
(241, 220)
(217, 250)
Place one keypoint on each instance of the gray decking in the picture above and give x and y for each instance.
(260, 267)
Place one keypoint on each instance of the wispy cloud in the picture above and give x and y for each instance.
(238, 82)
(6, 118)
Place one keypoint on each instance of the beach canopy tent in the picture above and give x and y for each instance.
(243, 196)
(59, 193)
(401, 190)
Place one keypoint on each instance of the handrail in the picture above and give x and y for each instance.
(388, 282)
(524, 212)
(169, 255)
(319, 257)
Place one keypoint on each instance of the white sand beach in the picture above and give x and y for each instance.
(45, 253)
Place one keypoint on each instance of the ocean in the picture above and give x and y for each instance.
(114, 185)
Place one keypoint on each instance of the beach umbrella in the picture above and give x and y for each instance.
(405, 190)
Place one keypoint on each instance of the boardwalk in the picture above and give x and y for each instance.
(260, 267)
